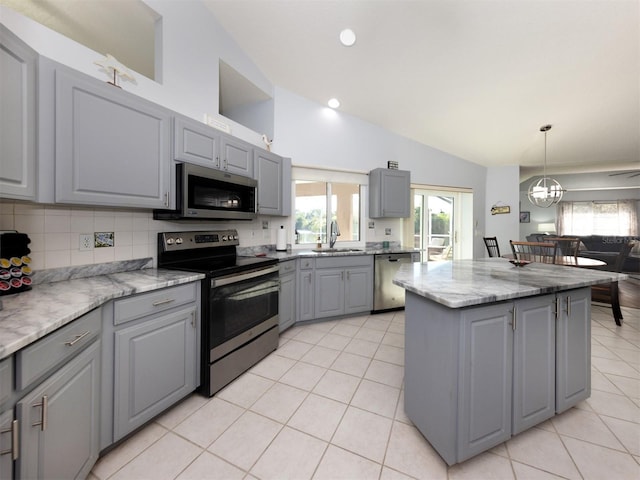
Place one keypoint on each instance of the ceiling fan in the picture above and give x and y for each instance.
(631, 173)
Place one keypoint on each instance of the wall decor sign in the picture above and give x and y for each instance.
(498, 210)
(525, 217)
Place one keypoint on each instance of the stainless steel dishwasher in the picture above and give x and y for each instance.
(386, 295)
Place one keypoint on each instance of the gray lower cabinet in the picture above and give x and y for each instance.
(306, 290)
(478, 375)
(389, 193)
(287, 297)
(343, 285)
(111, 147)
(59, 421)
(18, 67)
(534, 362)
(573, 348)
(273, 174)
(156, 351)
(8, 444)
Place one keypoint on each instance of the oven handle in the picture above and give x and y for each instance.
(221, 282)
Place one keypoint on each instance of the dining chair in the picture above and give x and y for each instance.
(541, 252)
(609, 292)
(567, 246)
(492, 246)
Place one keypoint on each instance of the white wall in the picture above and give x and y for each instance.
(192, 45)
(502, 189)
(312, 134)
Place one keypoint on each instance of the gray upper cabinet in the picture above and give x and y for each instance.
(273, 174)
(236, 156)
(18, 70)
(389, 193)
(573, 348)
(195, 142)
(59, 421)
(112, 147)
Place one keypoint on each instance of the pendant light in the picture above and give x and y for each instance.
(546, 191)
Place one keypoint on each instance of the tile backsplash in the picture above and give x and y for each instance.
(55, 232)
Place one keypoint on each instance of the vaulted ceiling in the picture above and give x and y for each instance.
(473, 78)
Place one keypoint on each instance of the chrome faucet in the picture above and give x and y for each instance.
(334, 233)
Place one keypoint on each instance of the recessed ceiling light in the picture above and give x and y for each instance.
(347, 37)
(333, 103)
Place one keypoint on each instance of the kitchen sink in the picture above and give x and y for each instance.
(337, 250)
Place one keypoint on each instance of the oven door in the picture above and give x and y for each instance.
(239, 303)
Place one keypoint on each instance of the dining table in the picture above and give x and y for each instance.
(571, 260)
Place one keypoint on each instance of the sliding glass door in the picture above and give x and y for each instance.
(442, 224)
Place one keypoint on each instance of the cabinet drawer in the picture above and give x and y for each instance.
(306, 263)
(137, 306)
(345, 261)
(6, 379)
(287, 267)
(35, 360)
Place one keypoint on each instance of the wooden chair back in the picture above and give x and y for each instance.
(492, 246)
(541, 252)
(567, 246)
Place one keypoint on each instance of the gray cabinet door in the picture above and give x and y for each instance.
(533, 362)
(65, 445)
(573, 348)
(7, 448)
(155, 366)
(306, 292)
(112, 147)
(273, 174)
(195, 142)
(287, 300)
(329, 292)
(236, 156)
(17, 117)
(486, 379)
(389, 193)
(358, 290)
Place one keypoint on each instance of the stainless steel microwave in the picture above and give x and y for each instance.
(210, 194)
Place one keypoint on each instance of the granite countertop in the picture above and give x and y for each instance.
(28, 316)
(293, 254)
(461, 283)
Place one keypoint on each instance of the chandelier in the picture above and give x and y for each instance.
(545, 191)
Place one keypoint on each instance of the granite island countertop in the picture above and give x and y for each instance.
(29, 316)
(462, 283)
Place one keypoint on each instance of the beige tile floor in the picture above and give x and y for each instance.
(328, 405)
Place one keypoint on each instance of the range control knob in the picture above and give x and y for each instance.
(169, 241)
(178, 241)
(224, 238)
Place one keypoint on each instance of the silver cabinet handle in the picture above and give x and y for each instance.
(513, 318)
(15, 445)
(568, 305)
(77, 338)
(43, 413)
(166, 199)
(162, 302)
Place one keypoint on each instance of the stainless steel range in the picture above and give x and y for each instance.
(239, 301)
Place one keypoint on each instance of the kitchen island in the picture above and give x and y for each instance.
(492, 349)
